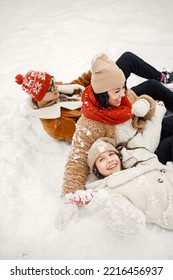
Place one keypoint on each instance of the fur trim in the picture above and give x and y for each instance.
(53, 111)
(149, 115)
(139, 123)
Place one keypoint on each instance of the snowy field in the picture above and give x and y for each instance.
(61, 37)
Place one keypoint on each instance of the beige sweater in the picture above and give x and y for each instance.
(87, 131)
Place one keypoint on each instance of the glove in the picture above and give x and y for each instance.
(141, 107)
(79, 197)
(68, 212)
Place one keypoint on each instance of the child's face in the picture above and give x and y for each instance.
(52, 93)
(115, 96)
(108, 163)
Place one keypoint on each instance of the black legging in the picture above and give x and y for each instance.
(131, 63)
(165, 150)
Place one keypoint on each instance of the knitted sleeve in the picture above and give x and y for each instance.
(76, 169)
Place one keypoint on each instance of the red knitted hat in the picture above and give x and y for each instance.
(35, 83)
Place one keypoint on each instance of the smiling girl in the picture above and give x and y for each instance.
(103, 158)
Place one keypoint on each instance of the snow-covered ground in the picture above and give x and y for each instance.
(61, 37)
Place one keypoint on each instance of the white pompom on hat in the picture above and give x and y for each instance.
(106, 75)
(100, 146)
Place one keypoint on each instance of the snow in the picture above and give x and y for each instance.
(61, 38)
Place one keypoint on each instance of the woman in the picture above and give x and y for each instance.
(135, 188)
(111, 110)
(121, 117)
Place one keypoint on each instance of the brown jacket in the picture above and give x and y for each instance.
(63, 126)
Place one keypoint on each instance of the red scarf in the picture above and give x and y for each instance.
(91, 109)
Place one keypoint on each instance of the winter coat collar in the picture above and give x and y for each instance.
(53, 110)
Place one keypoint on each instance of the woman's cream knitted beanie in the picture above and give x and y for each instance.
(106, 75)
(100, 146)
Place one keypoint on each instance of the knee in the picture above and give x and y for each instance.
(154, 84)
(127, 55)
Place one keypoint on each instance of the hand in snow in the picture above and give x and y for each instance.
(79, 197)
(140, 108)
(68, 212)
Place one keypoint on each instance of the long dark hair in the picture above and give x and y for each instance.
(125, 145)
(102, 99)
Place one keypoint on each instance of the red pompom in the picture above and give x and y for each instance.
(19, 79)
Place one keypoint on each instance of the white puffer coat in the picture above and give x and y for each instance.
(129, 199)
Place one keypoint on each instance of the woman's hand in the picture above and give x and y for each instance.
(80, 197)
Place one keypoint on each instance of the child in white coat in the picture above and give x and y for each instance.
(134, 188)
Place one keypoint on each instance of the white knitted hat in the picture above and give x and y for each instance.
(100, 146)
